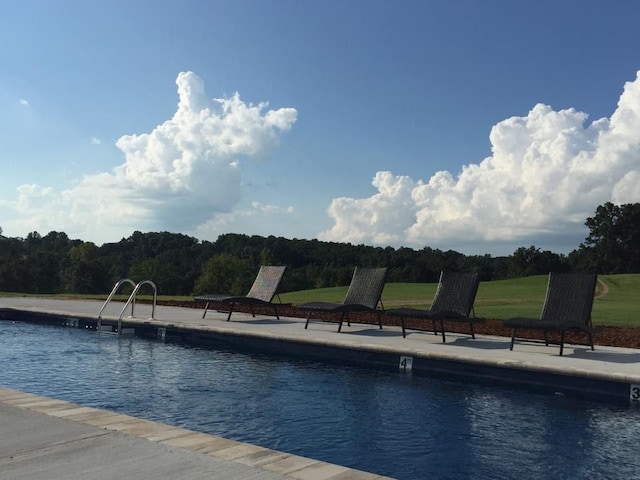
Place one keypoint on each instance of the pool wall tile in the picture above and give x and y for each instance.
(74, 410)
(257, 459)
(320, 471)
(358, 475)
(168, 434)
(192, 441)
(138, 428)
(237, 451)
(289, 464)
(105, 420)
(214, 444)
(94, 414)
(43, 406)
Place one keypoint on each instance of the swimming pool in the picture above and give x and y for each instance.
(393, 424)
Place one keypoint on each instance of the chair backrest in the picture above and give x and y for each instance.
(366, 286)
(456, 292)
(266, 283)
(569, 298)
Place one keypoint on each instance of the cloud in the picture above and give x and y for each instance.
(95, 141)
(24, 102)
(241, 220)
(184, 172)
(547, 173)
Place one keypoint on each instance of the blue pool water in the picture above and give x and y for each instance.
(392, 424)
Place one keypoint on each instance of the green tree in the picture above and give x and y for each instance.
(163, 274)
(225, 274)
(532, 261)
(613, 243)
(266, 257)
(83, 272)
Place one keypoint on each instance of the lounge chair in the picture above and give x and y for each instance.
(453, 302)
(567, 307)
(261, 293)
(363, 295)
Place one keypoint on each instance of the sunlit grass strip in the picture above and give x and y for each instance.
(502, 299)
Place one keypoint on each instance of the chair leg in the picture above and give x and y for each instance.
(561, 342)
(275, 312)
(253, 313)
(473, 334)
(404, 334)
(513, 338)
(435, 328)
(342, 320)
(231, 311)
(591, 340)
(379, 320)
(206, 307)
(444, 340)
(546, 339)
(308, 318)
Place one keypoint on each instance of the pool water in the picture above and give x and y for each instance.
(397, 425)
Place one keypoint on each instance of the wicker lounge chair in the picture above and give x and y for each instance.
(261, 293)
(363, 295)
(453, 302)
(567, 307)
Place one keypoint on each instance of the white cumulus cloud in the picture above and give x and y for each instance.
(176, 177)
(548, 172)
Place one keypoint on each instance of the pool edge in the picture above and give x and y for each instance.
(285, 464)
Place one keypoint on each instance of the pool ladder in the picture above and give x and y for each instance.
(131, 301)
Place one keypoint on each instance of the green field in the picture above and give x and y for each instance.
(617, 301)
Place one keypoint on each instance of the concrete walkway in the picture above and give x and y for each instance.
(48, 439)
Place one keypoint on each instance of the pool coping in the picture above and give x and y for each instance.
(284, 464)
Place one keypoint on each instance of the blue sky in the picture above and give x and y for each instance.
(477, 126)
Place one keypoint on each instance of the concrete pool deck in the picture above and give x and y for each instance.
(45, 439)
(606, 374)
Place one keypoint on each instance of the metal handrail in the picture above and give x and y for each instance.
(132, 299)
(117, 286)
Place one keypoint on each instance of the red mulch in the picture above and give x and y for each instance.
(606, 335)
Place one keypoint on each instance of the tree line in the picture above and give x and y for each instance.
(183, 265)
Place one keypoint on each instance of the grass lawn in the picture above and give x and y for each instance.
(617, 301)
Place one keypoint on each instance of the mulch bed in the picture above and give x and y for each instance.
(606, 335)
